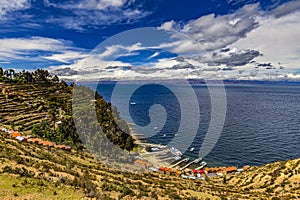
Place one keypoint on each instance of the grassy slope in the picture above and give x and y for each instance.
(15, 187)
(28, 105)
(77, 174)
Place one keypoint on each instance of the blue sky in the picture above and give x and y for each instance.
(239, 39)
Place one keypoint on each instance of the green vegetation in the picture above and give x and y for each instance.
(34, 102)
(79, 174)
(15, 187)
(37, 101)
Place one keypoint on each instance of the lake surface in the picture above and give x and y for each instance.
(262, 122)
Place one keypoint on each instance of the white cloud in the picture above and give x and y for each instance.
(32, 43)
(95, 4)
(115, 51)
(286, 8)
(37, 48)
(66, 57)
(154, 55)
(277, 39)
(213, 32)
(8, 6)
(94, 13)
(246, 33)
(170, 25)
(293, 76)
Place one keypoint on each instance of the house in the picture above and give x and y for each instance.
(231, 169)
(14, 135)
(21, 138)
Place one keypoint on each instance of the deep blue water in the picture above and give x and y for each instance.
(262, 122)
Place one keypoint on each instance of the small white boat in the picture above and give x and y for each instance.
(175, 151)
(132, 103)
(202, 165)
(192, 177)
(184, 176)
(155, 127)
(177, 158)
(192, 149)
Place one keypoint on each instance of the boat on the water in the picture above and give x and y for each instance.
(192, 149)
(132, 103)
(202, 165)
(175, 151)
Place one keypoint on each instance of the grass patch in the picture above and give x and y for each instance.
(14, 187)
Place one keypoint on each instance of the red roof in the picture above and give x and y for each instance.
(15, 134)
(201, 171)
(231, 169)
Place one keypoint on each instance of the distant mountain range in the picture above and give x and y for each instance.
(198, 81)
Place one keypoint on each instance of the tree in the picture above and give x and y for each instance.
(10, 73)
(41, 75)
(55, 79)
(28, 77)
(1, 72)
(129, 143)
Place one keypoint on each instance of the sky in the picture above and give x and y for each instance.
(153, 39)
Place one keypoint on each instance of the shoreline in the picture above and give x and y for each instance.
(162, 156)
(151, 157)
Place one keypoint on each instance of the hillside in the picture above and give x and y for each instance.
(33, 171)
(44, 109)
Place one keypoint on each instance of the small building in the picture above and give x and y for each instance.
(153, 169)
(231, 169)
(21, 138)
(246, 167)
(14, 135)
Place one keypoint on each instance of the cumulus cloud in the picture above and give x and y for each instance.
(277, 39)
(65, 72)
(147, 70)
(229, 58)
(170, 25)
(286, 8)
(293, 76)
(210, 47)
(182, 66)
(265, 65)
(213, 32)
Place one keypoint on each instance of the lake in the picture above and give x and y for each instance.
(262, 122)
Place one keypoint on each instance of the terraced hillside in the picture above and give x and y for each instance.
(28, 104)
(45, 110)
(32, 171)
(76, 174)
